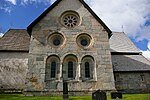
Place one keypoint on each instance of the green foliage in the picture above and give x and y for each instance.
(21, 97)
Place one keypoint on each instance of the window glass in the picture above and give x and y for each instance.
(56, 42)
(70, 69)
(53, 69)
(87, 69)
(84, 42)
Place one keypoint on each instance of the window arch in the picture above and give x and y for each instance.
(87, 67)
(52, 67)
(69, 67)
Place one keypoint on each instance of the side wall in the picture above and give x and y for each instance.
(13, 69)
(133, 82)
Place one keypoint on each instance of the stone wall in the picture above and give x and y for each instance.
(13, 69)
(40, 50)
(133, 82)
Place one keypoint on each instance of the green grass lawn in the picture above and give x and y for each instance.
(21, 97)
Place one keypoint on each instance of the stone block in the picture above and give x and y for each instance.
(40, 59)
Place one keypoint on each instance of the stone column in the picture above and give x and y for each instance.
(77, 78)
(94, 73)
(60, 73)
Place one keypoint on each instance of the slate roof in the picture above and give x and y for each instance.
(15, 40)
(125, 55)
(29, 28)
(130, 63)
(120, 42)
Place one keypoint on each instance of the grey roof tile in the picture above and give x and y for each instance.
(15, 39)
(130, 63)
(119, 42)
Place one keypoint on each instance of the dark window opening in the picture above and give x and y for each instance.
(53, 69)
(142, 77)
(84, 42)
(56, 42)
(87, 69)
(70, 69)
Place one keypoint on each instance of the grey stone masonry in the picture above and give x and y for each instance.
(13, 69)
(98, 53)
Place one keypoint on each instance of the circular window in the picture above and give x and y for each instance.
(56, 39)
(84, 40)
(56, 42)
(70, 19)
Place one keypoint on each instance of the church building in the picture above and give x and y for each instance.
(69, 43)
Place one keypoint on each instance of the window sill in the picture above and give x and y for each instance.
(89, 80)
(69, 81)
(54, 79)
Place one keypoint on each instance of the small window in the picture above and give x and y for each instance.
(142, 78)
(53, 69)
(87, 69)
(116, 77)
(56, 40)
(84, 40)
(70, 69)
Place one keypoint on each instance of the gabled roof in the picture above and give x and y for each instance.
(126, 63)
(15, 40)
(29, 28)
(125, 56)
(120, 42)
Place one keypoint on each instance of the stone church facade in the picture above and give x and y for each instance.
(69, 43)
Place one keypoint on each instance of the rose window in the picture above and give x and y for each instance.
(70, 19)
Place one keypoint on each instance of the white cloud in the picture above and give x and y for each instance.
(52, 1)
(25, 2)
(1, 34)
(146, 54)
(148, 45)
(6, 9)
(145, 34)
(12, 1)
(131, 14)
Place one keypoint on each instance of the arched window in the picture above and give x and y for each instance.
(87, 70)
(70, 69)
(53, 69)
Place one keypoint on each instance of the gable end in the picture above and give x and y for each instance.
(29, 28)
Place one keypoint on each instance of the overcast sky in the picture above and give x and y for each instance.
(129, 16)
